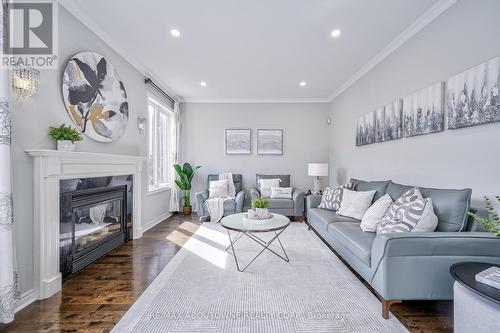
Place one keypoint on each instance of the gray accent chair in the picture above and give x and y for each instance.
(288, 207)
(230, 206)
(414, 265)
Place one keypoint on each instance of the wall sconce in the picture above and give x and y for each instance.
(141, 125)
(25, 81)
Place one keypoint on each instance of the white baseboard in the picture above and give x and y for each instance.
(155, 221)
(26, 299)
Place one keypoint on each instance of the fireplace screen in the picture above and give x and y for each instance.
(92, 224)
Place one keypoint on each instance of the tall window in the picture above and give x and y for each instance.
(159, 139)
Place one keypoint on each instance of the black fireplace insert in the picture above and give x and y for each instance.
(93, 223)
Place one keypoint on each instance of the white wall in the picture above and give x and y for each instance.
(304, 139)
(32, 118)
(464, 36)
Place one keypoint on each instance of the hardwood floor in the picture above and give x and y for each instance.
(96, 299)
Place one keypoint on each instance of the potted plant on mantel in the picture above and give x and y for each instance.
(66, 136)
(186, 174)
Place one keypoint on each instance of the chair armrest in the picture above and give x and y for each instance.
(298, 202)
(201, 197)
(313, 201)
(240, 200)
(254, 193)
(460, 244)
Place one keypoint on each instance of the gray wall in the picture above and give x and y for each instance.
(464, 36)
(32, 118)
(304, 132)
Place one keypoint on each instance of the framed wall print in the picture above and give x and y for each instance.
(238, 141)
(270, 142)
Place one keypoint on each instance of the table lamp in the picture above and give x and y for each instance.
(317, 170)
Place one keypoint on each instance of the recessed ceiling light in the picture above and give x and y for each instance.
(203, 84)
(302, 83)
(336, 33)
(175, 32)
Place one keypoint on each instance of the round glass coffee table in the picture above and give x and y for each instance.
(244, 227)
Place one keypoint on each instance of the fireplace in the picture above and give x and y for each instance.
(56, 172)
(94, 220)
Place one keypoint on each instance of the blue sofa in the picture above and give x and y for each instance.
(230, 206)
(408, 266)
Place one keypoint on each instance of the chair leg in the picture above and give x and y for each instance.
(386, 306)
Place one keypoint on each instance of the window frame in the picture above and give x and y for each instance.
(153, 138)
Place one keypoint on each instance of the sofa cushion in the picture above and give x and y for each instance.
(450, 205)
(350, 236)
(280, 203)
(328, 216)
(379, 186)
(285, 179)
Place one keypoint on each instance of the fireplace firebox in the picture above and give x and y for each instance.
(94, 221)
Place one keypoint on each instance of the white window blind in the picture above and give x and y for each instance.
(160, 133)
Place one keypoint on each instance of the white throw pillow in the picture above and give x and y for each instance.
(281, 192)
(265, 186)
(375, 213)
(218, 188)
(355, 203)
(429, 220)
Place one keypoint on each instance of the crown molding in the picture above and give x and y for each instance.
(425, 19)
(255, 100)
(429, 16)
(74, 8)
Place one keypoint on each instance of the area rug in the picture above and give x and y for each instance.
(200, 290)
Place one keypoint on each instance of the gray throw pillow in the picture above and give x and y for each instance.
(404, 213)
(332, 197)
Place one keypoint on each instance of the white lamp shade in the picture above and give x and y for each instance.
(317, 169)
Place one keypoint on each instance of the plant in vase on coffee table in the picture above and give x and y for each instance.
(260, 209)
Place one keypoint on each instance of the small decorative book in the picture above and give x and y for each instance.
(490, 276)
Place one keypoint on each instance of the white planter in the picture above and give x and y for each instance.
(65, 145)
(263, 213)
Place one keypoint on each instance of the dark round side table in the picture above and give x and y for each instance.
(476, 305)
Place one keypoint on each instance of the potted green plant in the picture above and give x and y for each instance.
(186, 174)
(492, 223)
(261, 207)
(65, 136)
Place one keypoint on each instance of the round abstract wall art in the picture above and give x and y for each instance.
(95, 97)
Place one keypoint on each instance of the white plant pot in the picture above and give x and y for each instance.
(263, 213)
(65, 145)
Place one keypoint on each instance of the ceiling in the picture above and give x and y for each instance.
(254, 50)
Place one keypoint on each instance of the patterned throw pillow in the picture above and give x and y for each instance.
(404, 213)
(332, 197)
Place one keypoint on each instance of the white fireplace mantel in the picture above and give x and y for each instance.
(49, 167)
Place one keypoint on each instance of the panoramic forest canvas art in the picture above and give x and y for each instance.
(472, 96)
(423, 111)
(365, 129)
(389, 122)
(95, 97)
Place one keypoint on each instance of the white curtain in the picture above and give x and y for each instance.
(175, 193)
(8, 278)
